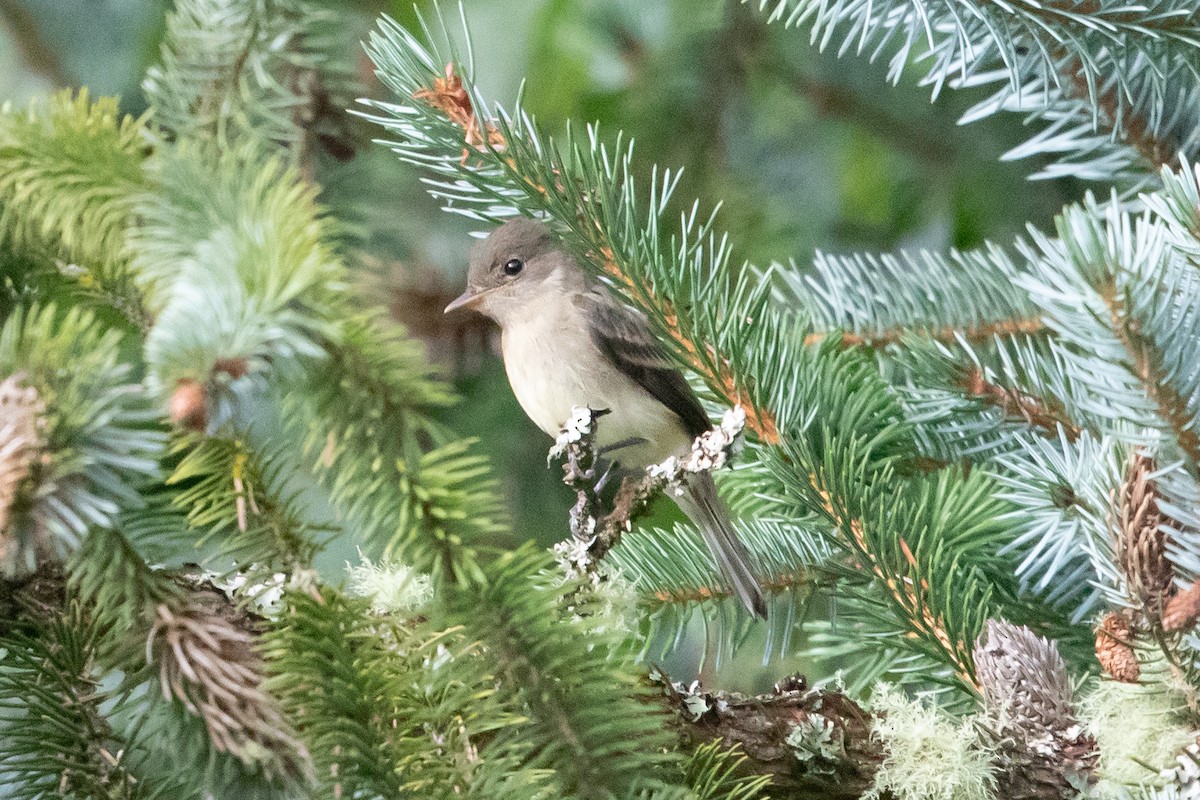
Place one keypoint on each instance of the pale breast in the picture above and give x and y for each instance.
(553, 366)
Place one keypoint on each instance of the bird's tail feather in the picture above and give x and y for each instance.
(703, 506)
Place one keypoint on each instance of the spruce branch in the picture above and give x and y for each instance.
(1148, 367)
(414, 492)
(70, 175)
(257, 70)
(96, 444)
(72, 172)
(1113, 87)
(573, 680)
(332, 697)
(1015, 402)
(238, 265)
(971, 333)
(881, 300)
(669, 566)
(58, 738)
(236, 495)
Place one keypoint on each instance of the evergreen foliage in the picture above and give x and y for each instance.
(974, 457)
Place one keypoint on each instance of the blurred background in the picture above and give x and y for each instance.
(805, 152)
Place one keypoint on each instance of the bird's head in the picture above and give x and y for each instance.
(511, 267)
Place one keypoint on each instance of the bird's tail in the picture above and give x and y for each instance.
(703, 506)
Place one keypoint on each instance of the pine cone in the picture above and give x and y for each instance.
(1139, 542)
(21, 424)
(208, 662)
(1023, 677)
(1026, 690)
(1183, 610)
(1113, 649)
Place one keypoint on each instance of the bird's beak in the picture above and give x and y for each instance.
(465, 300)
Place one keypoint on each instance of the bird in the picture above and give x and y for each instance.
(568, 343)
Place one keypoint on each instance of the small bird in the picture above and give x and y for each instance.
(566, 343)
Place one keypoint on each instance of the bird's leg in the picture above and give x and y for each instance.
(632, 440)
(608, 471)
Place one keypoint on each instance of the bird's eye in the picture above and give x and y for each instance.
(513, 266)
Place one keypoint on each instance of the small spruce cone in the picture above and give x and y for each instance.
(1041, 750)
(188, 407)
(1183, 610)
(208, 661)
(1113, 649)
(1139, 542)
(21, 424)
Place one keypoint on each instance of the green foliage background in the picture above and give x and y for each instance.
(808, 152)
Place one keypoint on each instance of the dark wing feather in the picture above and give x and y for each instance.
(624, 337)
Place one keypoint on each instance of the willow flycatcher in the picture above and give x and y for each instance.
(567, 343)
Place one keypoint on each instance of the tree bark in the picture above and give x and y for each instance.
(812, 742)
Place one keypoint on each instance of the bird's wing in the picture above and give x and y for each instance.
(624, 337)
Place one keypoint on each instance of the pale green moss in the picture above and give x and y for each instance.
(928, 754)
(1139, 730)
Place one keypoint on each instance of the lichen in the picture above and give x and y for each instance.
(928, 755)
(392, 587)
(1139, 729)
(815, 739)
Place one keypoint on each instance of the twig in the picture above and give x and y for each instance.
(595, 531)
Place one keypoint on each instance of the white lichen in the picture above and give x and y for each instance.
(711, 450)
(574, 558)
(265, 594)
(927, 754)
(391, 587)
(813, 738)
(578, 425)
(1139, 730)
(694, 699)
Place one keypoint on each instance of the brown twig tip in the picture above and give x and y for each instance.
(233, 367)
(188, 406)
(449, 96)
(1114, 648)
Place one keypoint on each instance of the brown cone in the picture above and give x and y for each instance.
(1183, 610)
(21, 423)
(1113, 649)
(189, 407)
